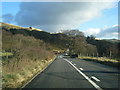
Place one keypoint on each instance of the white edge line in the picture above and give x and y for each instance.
(86, 77)
(81, 69)
(36, 75)
(96, 79)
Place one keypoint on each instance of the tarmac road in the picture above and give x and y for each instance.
(67, 72)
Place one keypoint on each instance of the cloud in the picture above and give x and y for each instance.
(7, 18)
(92, 31)
(108, 32)
(54, 16)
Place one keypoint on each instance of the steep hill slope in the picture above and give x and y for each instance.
(76, 44)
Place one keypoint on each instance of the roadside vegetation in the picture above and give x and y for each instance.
(5, 54)
(23, 57)
(106, 48)
(107, 51)
(103, 60)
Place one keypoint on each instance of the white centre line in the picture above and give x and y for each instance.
(86, 77)
(81, 69)
(94, 78)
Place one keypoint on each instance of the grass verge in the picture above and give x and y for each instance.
(18, 79)
(103, 60)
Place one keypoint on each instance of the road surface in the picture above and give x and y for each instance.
(67, 72)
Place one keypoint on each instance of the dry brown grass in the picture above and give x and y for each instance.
(29, 56)
(16, 77)
(103, 60)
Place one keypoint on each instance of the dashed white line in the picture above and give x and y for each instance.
(81, 69)
(86, 77)
(94, 78)
(74, 64)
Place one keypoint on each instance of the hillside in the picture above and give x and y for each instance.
(74, 40)
(22, 58)
(59, 40)
(10, 26)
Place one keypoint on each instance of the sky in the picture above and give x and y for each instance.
(93, 18)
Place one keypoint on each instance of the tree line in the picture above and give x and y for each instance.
(105, 48)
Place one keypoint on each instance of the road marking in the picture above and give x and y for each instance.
(81, 69)
(94, 78)
(74, 64)
(86, 77)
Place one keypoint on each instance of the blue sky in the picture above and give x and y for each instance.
(87, 17)
(109, 17)
(10, 7)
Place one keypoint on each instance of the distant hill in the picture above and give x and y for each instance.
(112, 40)
(73, 32)
(10, 26)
